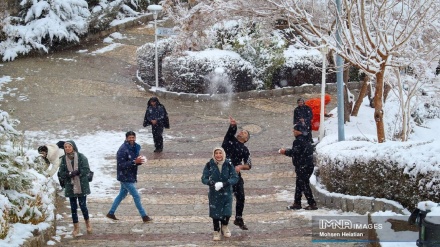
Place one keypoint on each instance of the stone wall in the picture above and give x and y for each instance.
(358, 204)
(330, 87)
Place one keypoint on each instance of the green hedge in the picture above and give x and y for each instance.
(380, 179)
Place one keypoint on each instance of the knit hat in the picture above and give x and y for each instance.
(70, 143)
(302, 128)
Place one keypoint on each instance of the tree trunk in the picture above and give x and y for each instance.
(378, 105)
(348, 106)
(371, 94)
(387, 89)
(361, 96)
(346, 74)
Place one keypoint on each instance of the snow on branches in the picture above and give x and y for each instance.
(41, 23)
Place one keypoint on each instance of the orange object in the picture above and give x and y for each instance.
(315, 105)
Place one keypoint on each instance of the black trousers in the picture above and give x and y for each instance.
(216, 223)
(82, 201)
(238, 190)
(157, 136)
(303, 175)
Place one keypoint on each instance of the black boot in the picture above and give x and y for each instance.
(295, 206)
(240, 223)
(311, 206)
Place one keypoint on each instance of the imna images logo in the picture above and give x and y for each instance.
(344, 224)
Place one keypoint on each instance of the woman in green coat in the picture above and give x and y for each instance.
(74, 169)
(219, 174)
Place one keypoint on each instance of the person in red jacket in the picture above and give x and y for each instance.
(315, 105)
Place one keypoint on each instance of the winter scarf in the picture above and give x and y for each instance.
(75, 180)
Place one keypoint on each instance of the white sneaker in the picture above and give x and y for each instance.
(225, 231)
(217, 236)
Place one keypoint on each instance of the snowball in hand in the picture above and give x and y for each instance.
(144, 159)
(218, 186)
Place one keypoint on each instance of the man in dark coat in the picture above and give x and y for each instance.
(128, 160)
(303, 115)
(156, 115)
(302, 159)
(240, 157)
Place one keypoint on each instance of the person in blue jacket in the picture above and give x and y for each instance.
(128, 160)
(219, 174)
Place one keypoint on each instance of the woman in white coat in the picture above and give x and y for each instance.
(51, 154)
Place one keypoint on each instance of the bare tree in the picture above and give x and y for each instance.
(375, 35)
(195, 23)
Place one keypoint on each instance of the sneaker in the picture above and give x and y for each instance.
(225, 231)
(146, 219)
(240, 223)
(217, 236)
(295, 206)
(311, 207)
(111, 216)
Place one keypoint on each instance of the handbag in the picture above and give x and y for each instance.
(90, 176)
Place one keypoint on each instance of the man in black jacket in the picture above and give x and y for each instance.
(156, 115)
(302, 158)
(240, 157)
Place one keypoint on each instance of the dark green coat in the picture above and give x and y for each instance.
(83, 167)
(220, 202)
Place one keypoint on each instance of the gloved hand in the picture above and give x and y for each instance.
(73, 173)
(218, 186)
(211, 183)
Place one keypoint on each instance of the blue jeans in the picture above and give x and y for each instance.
(74, 207)
(125, 189)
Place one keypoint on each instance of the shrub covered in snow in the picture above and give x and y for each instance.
(42, 24)
(25, 193)
(382, 177)
(208, 72)
(260, 47)
(270, 63)
(301, 66)
(104, 12)
(145, 56)
(407, 172)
